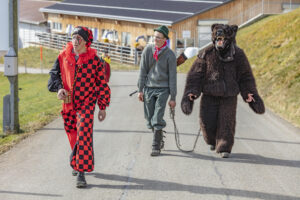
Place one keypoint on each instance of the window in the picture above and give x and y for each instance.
(126, 37)
(95, 33)
(150, 39)
(112, 35)
(180, 43)
(204, 35)
(56, 26)
(69, 30)
(204, 30)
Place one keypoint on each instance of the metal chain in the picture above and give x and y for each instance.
(177, 139)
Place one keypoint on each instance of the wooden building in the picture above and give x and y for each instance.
(126, 22)
(31, 21)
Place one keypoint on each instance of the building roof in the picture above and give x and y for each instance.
(29, 11)
(166, 12)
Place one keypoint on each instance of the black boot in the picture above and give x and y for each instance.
(162, 143)
(156, 145)
(81, 182)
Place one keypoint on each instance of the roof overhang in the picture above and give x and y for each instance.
(112, 17)
(33, 22)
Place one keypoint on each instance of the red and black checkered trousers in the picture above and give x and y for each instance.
(89, 86)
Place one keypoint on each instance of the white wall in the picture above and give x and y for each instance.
(27, 33)
(4, 21)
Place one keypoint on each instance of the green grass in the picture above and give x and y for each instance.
(122, 67)
(30, 57)
(37, 106)
(272, 47)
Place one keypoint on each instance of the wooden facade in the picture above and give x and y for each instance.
(235, 12)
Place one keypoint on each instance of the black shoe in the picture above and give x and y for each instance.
(212, 147)
(81, 182)
(74, 172)
(155, 152)
(157, 143)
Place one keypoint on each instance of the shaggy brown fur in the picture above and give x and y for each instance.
(220, 72)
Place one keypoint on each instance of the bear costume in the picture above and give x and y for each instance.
(220, 72)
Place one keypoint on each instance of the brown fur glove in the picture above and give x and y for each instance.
(186, 105)
(258, 106)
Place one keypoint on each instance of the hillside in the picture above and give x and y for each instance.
(272, 46)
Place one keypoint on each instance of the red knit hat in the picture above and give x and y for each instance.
(85, 33)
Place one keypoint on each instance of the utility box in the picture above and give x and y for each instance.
(10, 63)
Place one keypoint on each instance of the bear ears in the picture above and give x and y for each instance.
(234, 28)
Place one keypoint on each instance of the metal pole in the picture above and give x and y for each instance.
(13, 42)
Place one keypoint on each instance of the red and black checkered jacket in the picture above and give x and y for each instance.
(84, 78)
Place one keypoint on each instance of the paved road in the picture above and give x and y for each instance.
(265, 163)
(22, 69)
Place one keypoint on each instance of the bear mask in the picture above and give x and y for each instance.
(223, 38)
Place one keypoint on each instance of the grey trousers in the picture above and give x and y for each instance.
(155, 101)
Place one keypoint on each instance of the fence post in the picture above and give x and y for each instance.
(135, 56)
(121, 54)
(41, 58)
(25, 66)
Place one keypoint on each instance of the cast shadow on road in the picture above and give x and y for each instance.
(132, 183)
(172, 133)
(103, 131)
(193, 135)
(111, 86)
(30, 193)
(234, 158)
(238, 158)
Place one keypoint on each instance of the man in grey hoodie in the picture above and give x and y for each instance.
(157, 80)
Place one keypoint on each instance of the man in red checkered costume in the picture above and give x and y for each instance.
(78, 78)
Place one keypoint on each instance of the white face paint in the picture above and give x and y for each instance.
(78, 44)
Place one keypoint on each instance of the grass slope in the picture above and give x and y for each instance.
(272, 47)
(37, 106)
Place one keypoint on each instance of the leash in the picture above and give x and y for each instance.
(177, 139)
